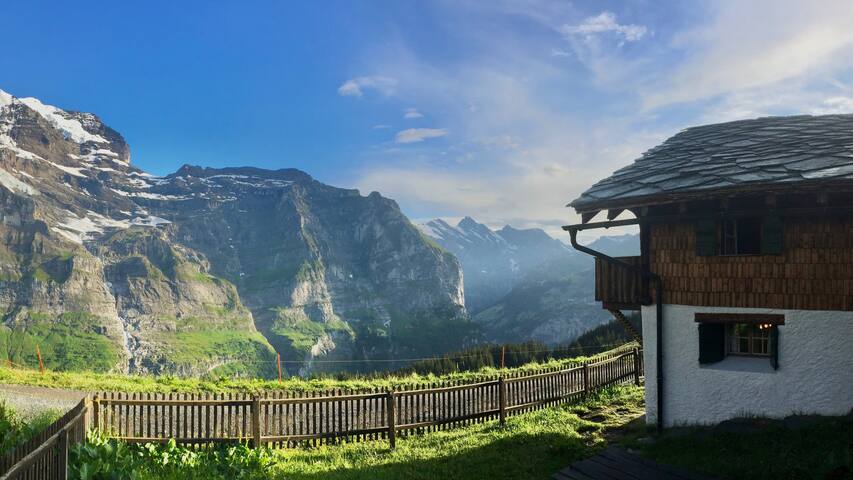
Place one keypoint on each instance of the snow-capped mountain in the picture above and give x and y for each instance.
(205, 270)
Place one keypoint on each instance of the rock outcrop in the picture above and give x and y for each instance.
(205, 271)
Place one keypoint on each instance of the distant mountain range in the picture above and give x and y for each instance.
(523, 284)
(204, 271)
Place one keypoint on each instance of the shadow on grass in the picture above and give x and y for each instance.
(521, 456)
(796, 448)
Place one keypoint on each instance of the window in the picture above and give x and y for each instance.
(740, 236)
(738, 334)
(747, 339)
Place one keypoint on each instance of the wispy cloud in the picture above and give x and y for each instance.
(381, 126)
(412, 113)
(355, 87)
(755, 45)
(415, 135)
(605, 22)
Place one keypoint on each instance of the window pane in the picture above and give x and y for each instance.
(749, 236)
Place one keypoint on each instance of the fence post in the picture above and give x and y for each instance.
(392, 419)
(636, 366)
(502, 399)
(256, 422)
(63, 453)
(86, 412)
(96, 412)
(586, 379)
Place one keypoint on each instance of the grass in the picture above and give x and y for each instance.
(532, 445)
(248, 353)
(808, 448)
(92, 381)
(69, 341)
(15, 431)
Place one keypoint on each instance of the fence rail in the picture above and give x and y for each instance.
(45, 456)
(288, 419)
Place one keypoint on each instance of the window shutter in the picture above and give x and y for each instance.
(774, 347)
(712, 342)
(706, 238)
(771, 235)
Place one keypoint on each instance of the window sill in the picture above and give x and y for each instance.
(733, 363)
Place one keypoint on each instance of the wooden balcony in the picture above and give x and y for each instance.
(620, 288)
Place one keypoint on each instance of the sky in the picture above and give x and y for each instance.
(500, 110)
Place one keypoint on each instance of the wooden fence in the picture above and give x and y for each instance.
(45, 456)
(285, 419)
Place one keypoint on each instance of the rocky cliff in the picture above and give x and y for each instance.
(205, 271)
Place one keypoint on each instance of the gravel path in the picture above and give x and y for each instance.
(29, 401)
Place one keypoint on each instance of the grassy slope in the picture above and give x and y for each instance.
(532, 445)
(89, 381)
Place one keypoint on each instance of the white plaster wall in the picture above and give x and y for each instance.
(815, 372)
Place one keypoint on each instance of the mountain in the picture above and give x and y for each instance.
(204, 271)
(524, 285)
(495, 261)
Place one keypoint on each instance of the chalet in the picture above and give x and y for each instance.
(745, 273)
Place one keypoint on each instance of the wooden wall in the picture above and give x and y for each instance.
(815, 271)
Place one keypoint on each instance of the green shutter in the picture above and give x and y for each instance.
(771, 235)
(706, 238)
(712, 342)
(774, 347)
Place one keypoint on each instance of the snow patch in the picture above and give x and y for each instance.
(12, 183)
(63, 121)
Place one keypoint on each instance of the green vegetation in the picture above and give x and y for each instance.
(600, 339)
(14, 431)
(798, 448)
(89, 381)
(532, 445)
(70, 341)
(604, 336)
(244, 353)
(101, 458)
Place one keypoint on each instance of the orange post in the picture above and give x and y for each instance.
(278, 361)
(41, 364)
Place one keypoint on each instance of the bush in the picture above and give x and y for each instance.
(14, 431)
(104, 459)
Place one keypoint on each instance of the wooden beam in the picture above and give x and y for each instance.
(587, 216)
(614, 212)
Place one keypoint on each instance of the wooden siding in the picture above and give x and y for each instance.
(814, 272)
(618, 287)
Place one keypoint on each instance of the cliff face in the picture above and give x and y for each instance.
(204, 271)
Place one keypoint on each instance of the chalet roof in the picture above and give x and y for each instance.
(764, 152)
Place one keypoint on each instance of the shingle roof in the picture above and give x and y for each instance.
(765, 151)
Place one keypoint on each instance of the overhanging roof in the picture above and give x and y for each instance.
(770, 153)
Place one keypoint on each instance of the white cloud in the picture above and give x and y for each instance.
(414, 135)
(755, 45)
(381, 126)
(411, 113)
(355, 87)
(835, 105)
(605, 22)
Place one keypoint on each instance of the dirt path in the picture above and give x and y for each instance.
(29, 401)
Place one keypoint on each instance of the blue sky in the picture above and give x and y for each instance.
(502, 110)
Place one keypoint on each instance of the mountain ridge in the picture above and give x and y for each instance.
(205, 270)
